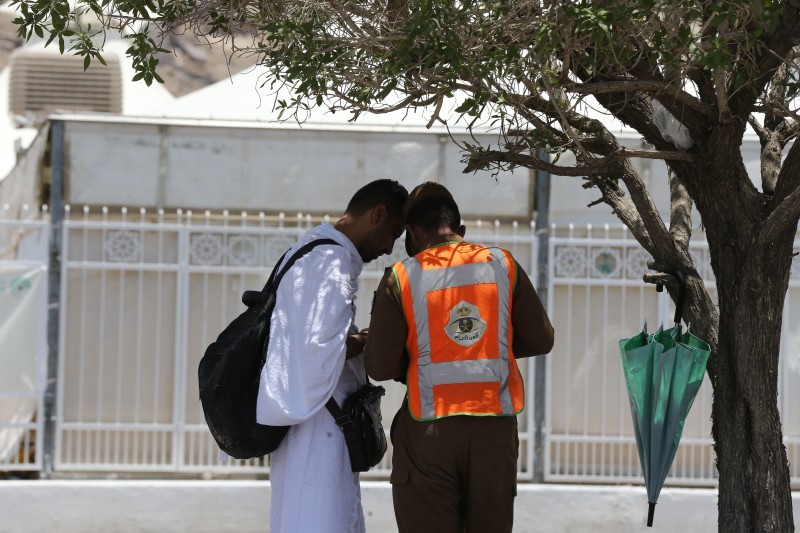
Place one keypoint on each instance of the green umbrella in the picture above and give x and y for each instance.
(663, 372)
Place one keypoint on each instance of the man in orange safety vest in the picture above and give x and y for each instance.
(451, 321)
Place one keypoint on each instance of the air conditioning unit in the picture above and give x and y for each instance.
(42, 81)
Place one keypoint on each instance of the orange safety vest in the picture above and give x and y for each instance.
(457, 302)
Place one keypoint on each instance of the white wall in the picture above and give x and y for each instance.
(257, 167)
(243, 506)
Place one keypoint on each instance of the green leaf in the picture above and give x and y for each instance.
(466, 105)
(387, 89)
(86, 62)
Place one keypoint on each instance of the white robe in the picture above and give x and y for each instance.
(313, 489)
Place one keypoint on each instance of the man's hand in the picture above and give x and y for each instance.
(355, 343)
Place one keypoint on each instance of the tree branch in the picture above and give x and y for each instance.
(590, 166)
(565, 124)
(658, 232)
(485, 158)
(659, 87)
(783, 217)
(625, 210)
(763, 136)
(628, 153)
(680, 214)
(787, 198)
(778, 47)
(635, 109)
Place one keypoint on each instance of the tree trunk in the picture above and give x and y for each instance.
(752, 279)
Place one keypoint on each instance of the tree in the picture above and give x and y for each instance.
(712, 67)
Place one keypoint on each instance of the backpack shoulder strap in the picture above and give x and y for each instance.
(250, 298)
(303, 250)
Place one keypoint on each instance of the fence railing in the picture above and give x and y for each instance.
(23, 249)
(597, 297)
(143, 293)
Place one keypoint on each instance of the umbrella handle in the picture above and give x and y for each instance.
(681, 294)
(651, 510)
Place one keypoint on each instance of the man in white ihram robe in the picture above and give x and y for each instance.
(313, 487)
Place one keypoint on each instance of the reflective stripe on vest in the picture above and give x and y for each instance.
(420, 282)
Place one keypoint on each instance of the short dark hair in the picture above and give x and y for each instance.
(434, 213)
(384, 191)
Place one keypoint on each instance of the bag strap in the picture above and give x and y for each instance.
(274, 271)
(342, 419)
(275, 277)
(297, 255)
(250, 298)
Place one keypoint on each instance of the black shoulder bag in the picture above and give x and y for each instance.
(360, 420)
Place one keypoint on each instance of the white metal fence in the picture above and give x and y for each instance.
(597, 297)
(23, 246)
(143, 293)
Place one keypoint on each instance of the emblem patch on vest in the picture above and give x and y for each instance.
(466, 325)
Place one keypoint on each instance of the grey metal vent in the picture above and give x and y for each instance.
(43, 81)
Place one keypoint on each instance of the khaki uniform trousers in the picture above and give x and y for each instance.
(453, 475)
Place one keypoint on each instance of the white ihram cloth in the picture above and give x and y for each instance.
(313, 488)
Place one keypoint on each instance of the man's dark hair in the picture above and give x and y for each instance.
(384, 191)
(433, 213)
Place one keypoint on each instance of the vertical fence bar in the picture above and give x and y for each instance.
(53, 294)
(80, 418)
(621, 405)
(605, 362)
(121, 322)
(63, 304)
(542, 281)
(549, 302)
(137, 398)
(581, 463)
(100, 444)
(181, 319)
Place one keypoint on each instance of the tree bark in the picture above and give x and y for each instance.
(752, 279)
(754, 491)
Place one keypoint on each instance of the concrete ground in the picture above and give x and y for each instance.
(122, 506)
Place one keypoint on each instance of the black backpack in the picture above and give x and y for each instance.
(230, 372)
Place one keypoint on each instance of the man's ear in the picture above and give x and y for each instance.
(379, 212)
(462, 230)
(409, 237)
